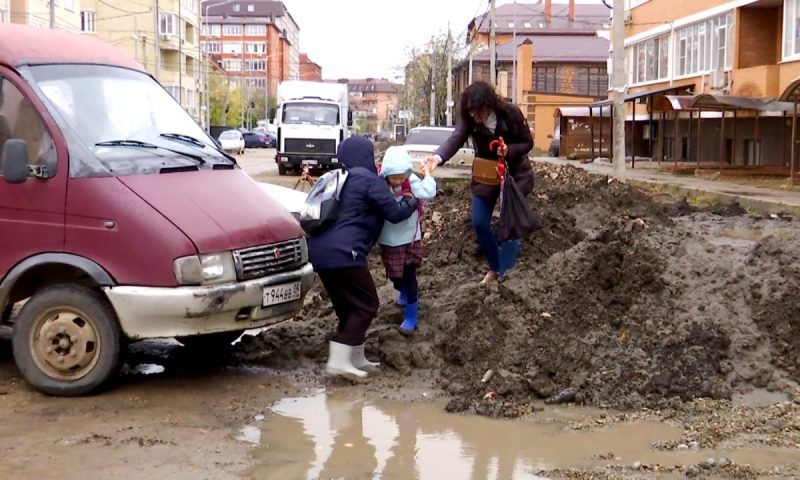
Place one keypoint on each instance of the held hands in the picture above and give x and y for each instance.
(431, 164)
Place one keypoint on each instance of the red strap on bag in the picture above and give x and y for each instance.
(500, 145)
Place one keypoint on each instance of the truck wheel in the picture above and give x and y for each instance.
(67, 341)
(281, 170)
(211, 342)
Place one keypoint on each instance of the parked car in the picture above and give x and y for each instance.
(135, 224)
(555, 142)
(423, 141)
(272, 139)
(290, 199)
(256, 140)
(232, 141)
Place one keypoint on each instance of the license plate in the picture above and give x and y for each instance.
(278, 294)
(310, 162)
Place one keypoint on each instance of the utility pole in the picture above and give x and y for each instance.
(433, 87)
(618, 87)
(157, 43)
(242, 83)
(449, 76)
(180, 53)
(514, 71)
(492, 48)
(52, 14)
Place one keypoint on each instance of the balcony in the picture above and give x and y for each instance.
(757, 82)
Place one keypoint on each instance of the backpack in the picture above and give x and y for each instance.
(321, 208)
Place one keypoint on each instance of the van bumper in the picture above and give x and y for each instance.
(154, 312)
(297, 161)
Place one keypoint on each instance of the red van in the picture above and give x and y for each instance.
(121, 219)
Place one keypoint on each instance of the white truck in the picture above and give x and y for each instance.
(312, 119)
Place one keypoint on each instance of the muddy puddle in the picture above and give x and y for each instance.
(345, 436)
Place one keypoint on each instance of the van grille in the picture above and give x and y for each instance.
(313, 146)
(256, 262)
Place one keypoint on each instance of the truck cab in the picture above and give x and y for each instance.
(120, 218)
(312, 119)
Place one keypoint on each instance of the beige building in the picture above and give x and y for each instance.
(36, 13)
(166, 42)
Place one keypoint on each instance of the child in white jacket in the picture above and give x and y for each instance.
(401, 243)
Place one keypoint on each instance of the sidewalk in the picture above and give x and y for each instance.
(759, 198)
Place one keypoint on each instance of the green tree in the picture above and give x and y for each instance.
(225, 100)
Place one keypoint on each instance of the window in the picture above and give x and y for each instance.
(69, 4)
(544, 79)
(232, 65)
(232, 48)
(173, 90)
(527, 24)
(232, 29)
(256, 47)
(791, 28)
(212, 30)
(256, 30)
(168, 24)
(19, 119)
(258, 82)
(237, 8)
(704, 46)
(88, 21)
(189, 5)
(212, 47)
(650, 60)
(256, 65)
(592, 81)
(2, 16)
(251, 8)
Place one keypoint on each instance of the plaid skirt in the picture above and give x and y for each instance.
(395, 258)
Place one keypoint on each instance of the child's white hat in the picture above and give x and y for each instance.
(396, 161)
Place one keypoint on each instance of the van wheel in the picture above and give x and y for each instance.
(212, 342)
(281, 170)
(67, 341)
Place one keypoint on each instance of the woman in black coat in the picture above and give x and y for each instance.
(485, 117)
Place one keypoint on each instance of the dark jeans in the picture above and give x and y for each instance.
(354, 299)
(501, 256)
(408, 283)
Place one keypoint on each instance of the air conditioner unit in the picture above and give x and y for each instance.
(627, 17)
(165, 37)
(718, 79)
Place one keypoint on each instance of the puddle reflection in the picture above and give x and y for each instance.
(326, 436)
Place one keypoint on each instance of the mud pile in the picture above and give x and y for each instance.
(623, 300)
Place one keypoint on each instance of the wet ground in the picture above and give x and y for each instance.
(266, 412)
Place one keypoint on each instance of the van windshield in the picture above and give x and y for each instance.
(310, 113)
(103, 106)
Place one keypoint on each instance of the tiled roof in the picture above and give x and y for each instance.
(553, 48)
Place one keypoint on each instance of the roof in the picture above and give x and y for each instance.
(728, 102)
(24, 45)
(222, 12)
(588, 19)
(549, 48)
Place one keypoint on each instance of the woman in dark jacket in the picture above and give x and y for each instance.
(339, 254)
(485, 117)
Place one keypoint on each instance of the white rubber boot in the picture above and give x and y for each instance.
(340, 362)
(360, 360)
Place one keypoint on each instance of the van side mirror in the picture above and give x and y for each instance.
(349, 118)
(272, 112)
(15, 161)
(550, 136)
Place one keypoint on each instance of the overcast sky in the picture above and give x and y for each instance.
(369, 38)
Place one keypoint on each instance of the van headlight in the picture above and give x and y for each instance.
(207, 269)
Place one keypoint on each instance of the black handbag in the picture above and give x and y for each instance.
(517, 220)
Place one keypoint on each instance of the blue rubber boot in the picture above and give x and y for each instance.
(410, 319)
(402, 298)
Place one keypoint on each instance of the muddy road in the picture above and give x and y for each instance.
(640, 337)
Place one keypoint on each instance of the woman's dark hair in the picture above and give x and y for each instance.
(476, 97)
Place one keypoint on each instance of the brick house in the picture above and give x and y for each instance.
(309, 70)
(560, 59)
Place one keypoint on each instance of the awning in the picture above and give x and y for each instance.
(708, 101)
(656, 91)
(579, 112)
(792, 92)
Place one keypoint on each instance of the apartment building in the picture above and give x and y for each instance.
(560, 59)
(377, 100)
(37, 13)
(703, 77)
(166, 40)
(255, 41)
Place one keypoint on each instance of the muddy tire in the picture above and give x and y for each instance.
(212, 343)
(281, 170)
(67, 341)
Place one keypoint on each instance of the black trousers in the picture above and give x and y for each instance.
(354, 299)
(408, 283)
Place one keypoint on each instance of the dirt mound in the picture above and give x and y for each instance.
(622, 300)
